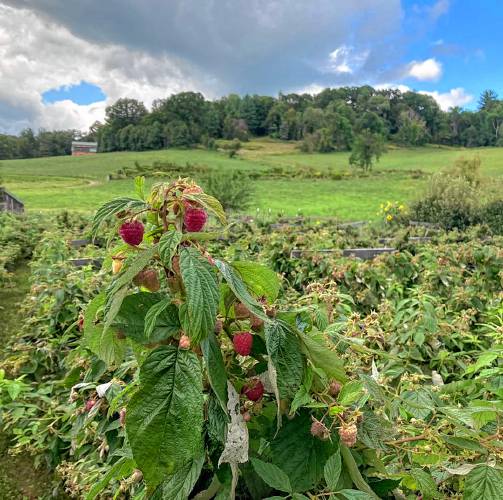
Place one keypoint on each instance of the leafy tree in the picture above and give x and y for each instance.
(125, 112)
(367, 148)
(487, 100)
(412, 130)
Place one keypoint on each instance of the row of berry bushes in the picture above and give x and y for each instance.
(388, 372)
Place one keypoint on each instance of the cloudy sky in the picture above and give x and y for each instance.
(62, 62)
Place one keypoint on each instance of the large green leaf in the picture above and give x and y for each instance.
(332, 471)
(272, 475)
(164, 418)
(105, 344)
(167, 246)
(117, 290)
(136, 309)
(484, 483)
(316, 349)
(202, 294)
(179, 485)
(112, 207)
(424, 483)
(283, 347)
(217, 373)
(161, 320)
(301, 456)
(260, 280)
(354, 495)
(239, 288)
(418, 403)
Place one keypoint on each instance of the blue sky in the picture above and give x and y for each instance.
(467, 41)
(81, 56)
(81, 93)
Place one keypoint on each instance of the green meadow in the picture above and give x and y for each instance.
(80, 183)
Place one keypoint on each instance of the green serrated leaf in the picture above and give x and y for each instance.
(136, 308)
(104, 343)
(202, 294)
(332, 471)
(354, 495)
(112, 207)
(424, 483)
(484, 483)
(316, 349)
(351, 392)
(167, 246)
(161, 321)
(260, 280)
(217, 373)
(179, 485)
(239, 288)
(283, 347)
(164, 418)
(300, 455)
(272, 475)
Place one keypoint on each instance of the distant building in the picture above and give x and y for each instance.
(84, 148)
(9, 203)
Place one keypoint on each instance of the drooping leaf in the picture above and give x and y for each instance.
(283, 347)
(351, 392)
(300, 455)
(260, 280)
(217, 373)
(167, 246)
(179, 485)
(202, 291)
(316, 349)
(418, 403)
(484, 482)
(332, 470)
(112, 207)
(272, 475)
(164, 418)
(105, 344)
(147, 318)
(239, 288)
(424, 483)
(160, 319)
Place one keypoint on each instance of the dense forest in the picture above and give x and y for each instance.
(332, 120)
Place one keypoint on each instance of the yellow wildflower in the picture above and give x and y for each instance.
(389, 217)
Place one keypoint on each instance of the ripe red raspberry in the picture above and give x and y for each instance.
(243, 342)
(132, 232)
(348, 434)
(195, 219)
(319, 430)
(254, 390)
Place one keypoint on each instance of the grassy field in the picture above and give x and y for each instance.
(80, 183)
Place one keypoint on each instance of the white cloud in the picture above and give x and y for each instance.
(37, 55)
(427, 70)
(398, 86)
(345, 59)
(446, 100)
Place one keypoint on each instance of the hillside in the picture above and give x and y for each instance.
(80, 183)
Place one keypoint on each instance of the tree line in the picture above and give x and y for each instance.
(333, 120)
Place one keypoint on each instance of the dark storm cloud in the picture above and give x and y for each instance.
(240, 45)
